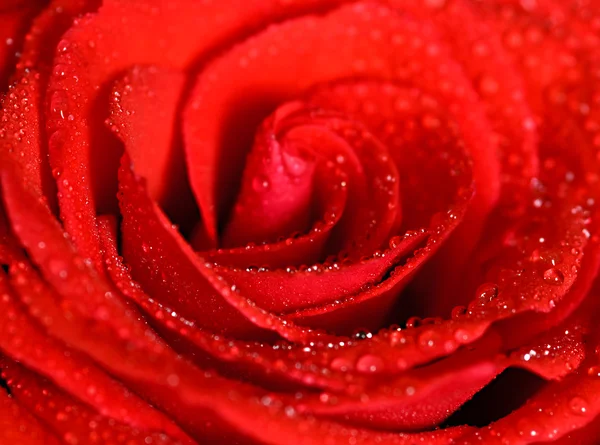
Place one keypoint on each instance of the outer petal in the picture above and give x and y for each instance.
(68, 418)
(17, 425)
(143, 114)
(555, 411)
(72, 371)
(15, 19)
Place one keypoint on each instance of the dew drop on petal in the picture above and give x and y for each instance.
(458, 312)
(395, 242)
(554, 276)
(487, 291)
(294, 165)
(428, 339)
(413, 322)
(594, 371)
(578, 405)
(369, 363)
(461, 335)
(341, 364)
(261, 184)
(435, 3)
(362, 334)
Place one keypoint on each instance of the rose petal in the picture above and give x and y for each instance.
(73, 371)
(153, 250)
(561, 98)
(20, 137)
(555, 411)
(18, 424)
(277, 189)
(15, 19)
(293, 251)
(44, 35)
(143, 115)
(22, 132)
(407, 402)
(293, 44)
(290, 290)
(70, 275)
(68, 418)
(554, 354)
(373, 214)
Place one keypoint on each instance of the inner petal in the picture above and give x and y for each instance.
(277, 187)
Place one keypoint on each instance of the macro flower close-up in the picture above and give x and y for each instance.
(299, 222)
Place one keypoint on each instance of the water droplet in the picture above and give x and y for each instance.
(594, 371)
(402, 364)
(395, 242)
(428, 339)
(361, 334)
(435, 3)
(58, 267)
(294, 165)
(458, 312)
(413, 322)
(261, 184)
(529, 124)
(341, 364)
(578, 405)
(430, 121)
(529, 5)
(554, 276)
(63, 45)
(529, 428)
(173, 380)
(71, 439)
(487, 291)
(325, 398)
(461, 335)
(58, 103)
(369, 363)
(488, 85)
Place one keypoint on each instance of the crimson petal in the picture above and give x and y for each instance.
(143, 115)
(15, 20)
(293, 251)
(277, 189)
(68, 418)
(72, 371)
(555, 411)
(18, 425)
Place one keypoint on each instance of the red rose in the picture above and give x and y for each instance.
(299, 222)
